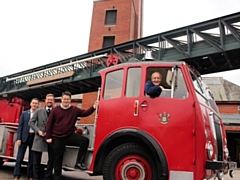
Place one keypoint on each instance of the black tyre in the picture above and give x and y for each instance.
(129, 161)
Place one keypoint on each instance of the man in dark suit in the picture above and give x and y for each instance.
(25, 137)
(38, 124)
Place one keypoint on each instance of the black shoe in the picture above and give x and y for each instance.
(80, 166)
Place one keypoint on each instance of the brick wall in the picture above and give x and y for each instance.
(128, 27)
(128, 24)
(228, 108)
(87, 101)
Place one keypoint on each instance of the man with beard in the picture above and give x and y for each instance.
(38, 124)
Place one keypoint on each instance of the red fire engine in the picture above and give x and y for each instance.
(178, 135)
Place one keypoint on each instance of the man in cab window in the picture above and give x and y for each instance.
(152, 87)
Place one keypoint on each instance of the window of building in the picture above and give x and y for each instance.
(111, 17)
(108, 41)
(79, 105)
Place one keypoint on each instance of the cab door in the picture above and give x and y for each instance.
(170, 119)
(120, 99)
(132, 90)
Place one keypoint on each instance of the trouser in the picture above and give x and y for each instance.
(20, 155)
(37, 156)
(59, 148)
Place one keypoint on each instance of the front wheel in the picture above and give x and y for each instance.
(129, 161)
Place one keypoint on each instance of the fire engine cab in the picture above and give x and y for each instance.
(178, 135)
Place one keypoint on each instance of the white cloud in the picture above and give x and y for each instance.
(35, 33)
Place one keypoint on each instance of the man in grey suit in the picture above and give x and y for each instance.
(38, 124)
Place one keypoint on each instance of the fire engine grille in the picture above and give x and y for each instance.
(218, 131)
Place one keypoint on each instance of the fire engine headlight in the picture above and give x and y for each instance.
(209, 148)
(226, 152)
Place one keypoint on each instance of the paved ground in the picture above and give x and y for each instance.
(6, 173)
(236, 176)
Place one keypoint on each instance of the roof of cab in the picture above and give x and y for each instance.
(143, 63)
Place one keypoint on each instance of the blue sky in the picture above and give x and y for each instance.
(35, 33)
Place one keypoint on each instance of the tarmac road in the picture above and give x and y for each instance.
(227, 177)
(6, 173)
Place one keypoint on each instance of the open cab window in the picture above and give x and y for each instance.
(172, 81)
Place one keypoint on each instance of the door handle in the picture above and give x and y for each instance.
(144, 105)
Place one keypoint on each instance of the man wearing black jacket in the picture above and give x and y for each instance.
(153, 87)
(60, 131)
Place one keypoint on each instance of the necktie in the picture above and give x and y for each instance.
(48, 111)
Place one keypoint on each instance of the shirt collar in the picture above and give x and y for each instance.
(65, 107)
(48, 108)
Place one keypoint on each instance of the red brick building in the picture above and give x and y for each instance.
(113, 22)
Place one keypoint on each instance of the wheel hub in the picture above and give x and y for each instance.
(133, 168)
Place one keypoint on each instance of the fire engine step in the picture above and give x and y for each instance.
(65, 168)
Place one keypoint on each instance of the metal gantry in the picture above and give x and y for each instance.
(210, 46)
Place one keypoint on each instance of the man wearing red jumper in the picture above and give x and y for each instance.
(60, 131)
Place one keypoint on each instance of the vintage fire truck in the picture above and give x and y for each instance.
(178, 135)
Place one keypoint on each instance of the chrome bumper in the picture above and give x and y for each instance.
(221, 165)
(219, 169)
